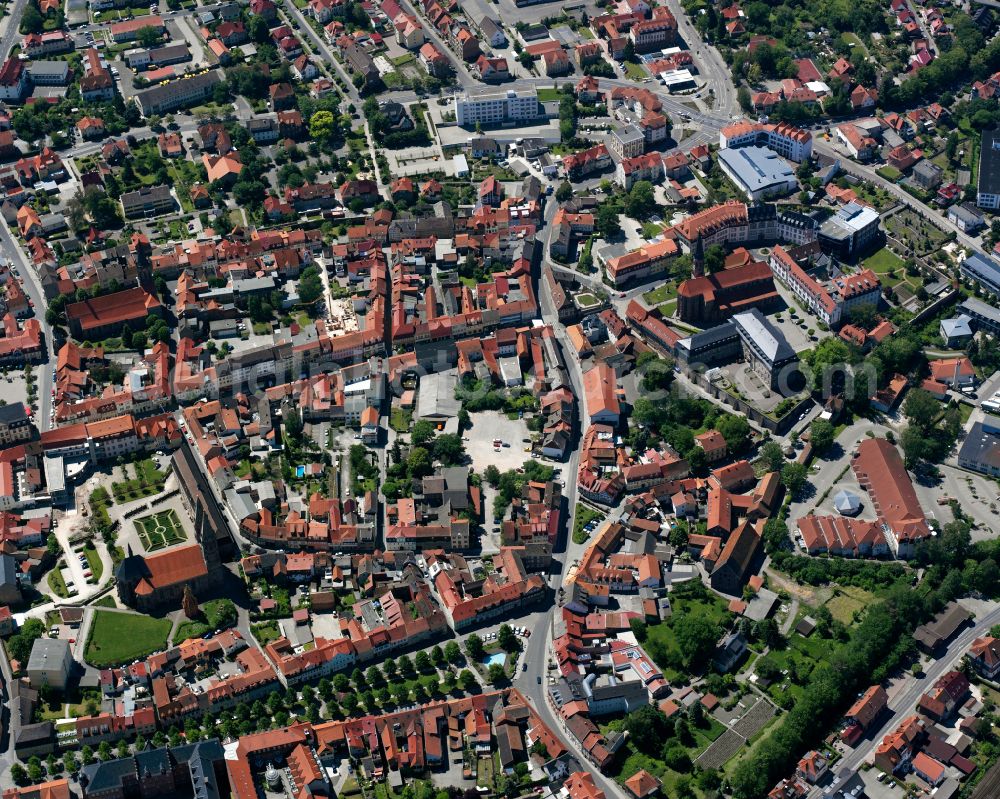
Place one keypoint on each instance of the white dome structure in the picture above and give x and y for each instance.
(847, 503)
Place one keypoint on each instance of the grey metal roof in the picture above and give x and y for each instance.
(757, 168)
(980, 266)
(8, 570)
(629, 134)
(847, 503)
(959, 326)
(765, 337)
(980, 446)
(977, 308)
(989, 163)
(48, 67)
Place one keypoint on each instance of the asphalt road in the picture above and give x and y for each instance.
(320, 46)
(10, 35)
(903, 703)
(32, 288)
(869, 174)
(533, 682)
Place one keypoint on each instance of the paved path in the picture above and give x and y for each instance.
(793, 611)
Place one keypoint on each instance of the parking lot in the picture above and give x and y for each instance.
(491, 425)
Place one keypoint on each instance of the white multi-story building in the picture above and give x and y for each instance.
(496, 108)
(786, 140)
(832, 303)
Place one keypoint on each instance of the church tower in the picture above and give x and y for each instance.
(698, 257)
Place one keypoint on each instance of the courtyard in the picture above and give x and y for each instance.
(159, 530)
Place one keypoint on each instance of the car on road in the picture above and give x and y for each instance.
(538, 679)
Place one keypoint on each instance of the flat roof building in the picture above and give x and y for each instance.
(50, 663)
(850, 231)
(49, 73)
(980, 450)
(758, 172)
(988, 190)
(496, 108)
(147, 201)
(984, 316)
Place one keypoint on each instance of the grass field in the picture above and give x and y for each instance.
(885, 261)
(400, 419)
(668, 308)
(198, 628)
(549, 95)
(846, 601)
(889, 172)
(56, 583)
(662, 293)
(117, 638)
(635, 71)
(106, 602)
(266, 631)
(921, 235)
(159, 530)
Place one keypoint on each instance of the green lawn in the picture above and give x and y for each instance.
(889, 172)
(56, 583)
(549, 95)
(635, 71)
(159, 530)
(198, 628)
(266, 631)
(147, 480)
(662, 293)
(99, 502)
(852, 38)
(106, 602)
(668, 308)
(883, 262)
(846, 601)
(93, 561)
(117, 638)
(584, 515)
(400, 419)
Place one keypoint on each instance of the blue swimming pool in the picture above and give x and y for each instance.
(499, 658)
(300, 471)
